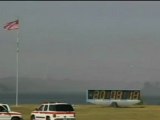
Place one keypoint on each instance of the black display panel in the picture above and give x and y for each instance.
(114, 94)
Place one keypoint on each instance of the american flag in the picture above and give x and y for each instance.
(12, 25)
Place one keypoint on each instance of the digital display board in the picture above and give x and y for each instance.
(114, 94)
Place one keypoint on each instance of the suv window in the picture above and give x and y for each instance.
(2, 109)
(61, 108)
(41, 108)
(45, 107)
(6, 108)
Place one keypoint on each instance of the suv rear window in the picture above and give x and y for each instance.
(61, 108)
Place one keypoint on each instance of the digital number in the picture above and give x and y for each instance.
(99, 94)
(134, 95)
(113, 95)
(119, 95)
(116, 94)
(102, 94)
(96, 94)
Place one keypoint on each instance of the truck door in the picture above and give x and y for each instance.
(39, 115)
(4, 114)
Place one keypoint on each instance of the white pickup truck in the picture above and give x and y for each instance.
(7, 114)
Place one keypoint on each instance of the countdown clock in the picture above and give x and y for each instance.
(114, 97)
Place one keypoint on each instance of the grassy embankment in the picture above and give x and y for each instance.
(96, 112)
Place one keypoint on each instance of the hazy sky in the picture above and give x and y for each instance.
(82, 40)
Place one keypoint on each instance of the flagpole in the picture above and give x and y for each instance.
(17, 75)
(14, 25)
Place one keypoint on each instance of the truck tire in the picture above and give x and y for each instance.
(114, 104)
(48, 118)
(32, 117)
(15, 118)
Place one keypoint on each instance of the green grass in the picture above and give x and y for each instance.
(97, 112)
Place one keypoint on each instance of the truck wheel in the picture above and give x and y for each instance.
(32, 117)
(114, 104)
(48, 118)
(15, 118)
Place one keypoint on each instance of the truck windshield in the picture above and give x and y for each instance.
(5, 107)
(61, 108)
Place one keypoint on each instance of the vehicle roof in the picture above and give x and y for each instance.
(54, 103)
(3, 104)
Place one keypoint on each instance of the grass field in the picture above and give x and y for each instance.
(97, 112)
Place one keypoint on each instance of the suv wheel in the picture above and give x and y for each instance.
(32, 117)
(48, 118)
(15, 118)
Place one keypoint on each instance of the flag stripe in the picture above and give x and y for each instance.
(12, 25)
